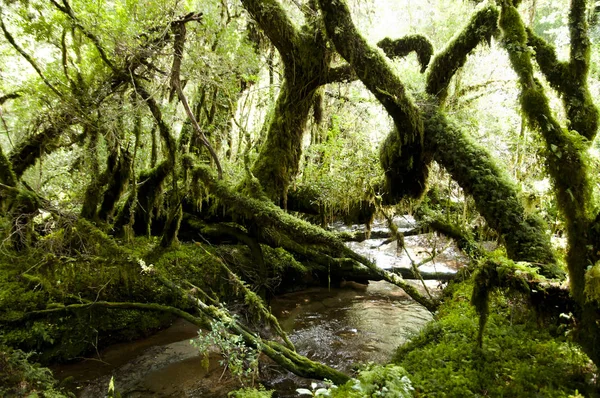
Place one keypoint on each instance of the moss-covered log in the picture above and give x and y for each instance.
(265, 215)
(405, 45)
(402, 155)
(495, 195)
(481, 27)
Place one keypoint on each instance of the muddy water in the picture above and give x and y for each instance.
(339, 327)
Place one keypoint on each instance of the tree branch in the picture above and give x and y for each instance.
(405, 45)
(566, 166)
(402, 156)
(66, 9)
(340, 74)
(272, 18)
(447, 62)
(178, 45)
(570, 79)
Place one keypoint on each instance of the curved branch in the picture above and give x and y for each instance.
(66, 9)
(405, 45)
(566, 166)
(403, 155)
(9, 96)
(29, 151)
(446, 63)
(27, 57)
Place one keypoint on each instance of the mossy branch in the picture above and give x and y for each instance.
(579, 58)
(163, 128)
(26, 153)
(474, 169)
(569, 80)
(481, 27)
(403, 155)
(7, 175)
(255, 303)
(272, 18)
(405, 45)
(340, 74)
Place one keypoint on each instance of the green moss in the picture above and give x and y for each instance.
(519, 356)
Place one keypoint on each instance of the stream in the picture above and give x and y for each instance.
(340, 327)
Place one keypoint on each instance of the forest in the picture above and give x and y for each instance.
(195, 160)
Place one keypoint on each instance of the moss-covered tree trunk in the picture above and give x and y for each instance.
(306, 58)
(565, 149)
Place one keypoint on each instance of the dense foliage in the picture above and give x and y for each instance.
(163, 160)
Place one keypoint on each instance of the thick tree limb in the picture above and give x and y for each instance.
(340, 74)
(566, 165)
(496, 197)
(569, 79)
(25, 154)
(402, 156)
(273, 20)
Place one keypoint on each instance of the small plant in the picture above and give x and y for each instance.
(251, 393)
(240, 359)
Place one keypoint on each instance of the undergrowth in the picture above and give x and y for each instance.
(520, 356)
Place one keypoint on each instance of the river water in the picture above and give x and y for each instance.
(340, 327)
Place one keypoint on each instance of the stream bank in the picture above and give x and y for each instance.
(340, 327)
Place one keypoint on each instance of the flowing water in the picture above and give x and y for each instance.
(340, 327)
